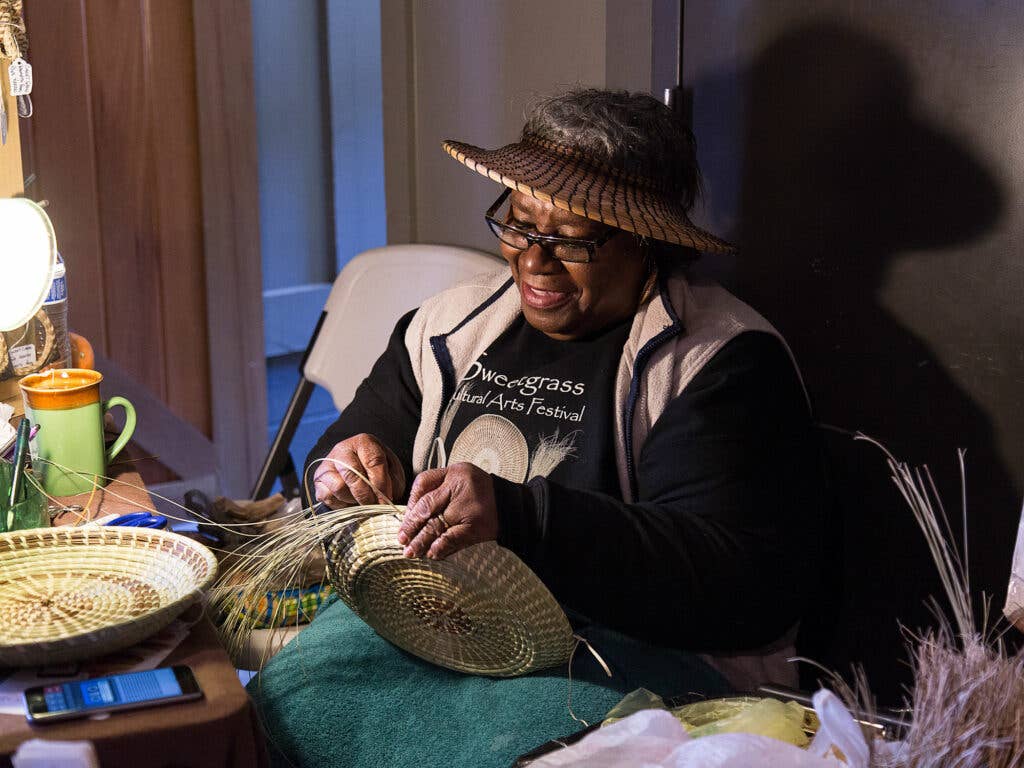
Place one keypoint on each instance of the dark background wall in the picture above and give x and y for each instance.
(868, 158)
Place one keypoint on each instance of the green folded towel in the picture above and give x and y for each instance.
(340, 695)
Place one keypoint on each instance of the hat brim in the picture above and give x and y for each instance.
(573, 185)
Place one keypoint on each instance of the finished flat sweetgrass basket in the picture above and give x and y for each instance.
(68, 594)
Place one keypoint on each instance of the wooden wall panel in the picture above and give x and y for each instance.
(227, 130)
(63, 156)
(115, 150)
(179, 210)
(126, 182)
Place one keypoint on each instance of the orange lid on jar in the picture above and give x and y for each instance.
(61, 388)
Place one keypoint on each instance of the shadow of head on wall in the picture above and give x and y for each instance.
(841, 172)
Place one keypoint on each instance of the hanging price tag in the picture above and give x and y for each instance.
(22, 356)
(20, 75)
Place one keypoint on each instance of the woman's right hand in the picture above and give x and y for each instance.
(337, 486)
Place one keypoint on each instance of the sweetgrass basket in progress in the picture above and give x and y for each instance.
(481, 610)
(73, 593)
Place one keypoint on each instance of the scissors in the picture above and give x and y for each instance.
(140, 520)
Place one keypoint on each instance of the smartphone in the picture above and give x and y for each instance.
(133, 690)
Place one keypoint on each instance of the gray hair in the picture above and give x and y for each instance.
(631, 131)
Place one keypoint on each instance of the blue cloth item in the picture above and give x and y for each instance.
(340, 695)
(140, 520)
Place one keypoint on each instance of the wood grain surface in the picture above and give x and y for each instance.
(115, 150)
(227, 133)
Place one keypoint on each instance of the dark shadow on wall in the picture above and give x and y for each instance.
(839, 175)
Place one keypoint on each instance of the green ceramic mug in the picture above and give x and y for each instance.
(68, 453)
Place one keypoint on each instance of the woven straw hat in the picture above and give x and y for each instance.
(481, 610)
(74, 593)
(494, 444)
(569, 179)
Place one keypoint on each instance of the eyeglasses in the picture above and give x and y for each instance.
(573, 249)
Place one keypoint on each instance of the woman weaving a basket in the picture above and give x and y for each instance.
(641, 442)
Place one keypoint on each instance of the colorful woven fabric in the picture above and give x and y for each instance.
(289, 606)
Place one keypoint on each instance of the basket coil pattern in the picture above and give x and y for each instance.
(72, 593)
(480, 611)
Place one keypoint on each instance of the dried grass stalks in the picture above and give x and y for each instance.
(968, 706)
(968, 696)
(280, 557)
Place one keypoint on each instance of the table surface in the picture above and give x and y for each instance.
(218, 730)
(125, 493)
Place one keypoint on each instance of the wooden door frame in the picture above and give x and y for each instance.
(231, 230)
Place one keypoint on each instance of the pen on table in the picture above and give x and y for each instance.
(20, 457)
(9, 453)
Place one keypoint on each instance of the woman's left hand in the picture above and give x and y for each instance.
(449, 509)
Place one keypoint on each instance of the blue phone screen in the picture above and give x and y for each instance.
(109, 691)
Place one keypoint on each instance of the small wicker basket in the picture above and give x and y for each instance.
(68, 594)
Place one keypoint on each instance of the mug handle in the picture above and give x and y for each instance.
(129, 424)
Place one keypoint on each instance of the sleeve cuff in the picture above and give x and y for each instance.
(517, 517)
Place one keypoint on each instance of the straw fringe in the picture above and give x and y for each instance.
(967, 703)
(275, 558)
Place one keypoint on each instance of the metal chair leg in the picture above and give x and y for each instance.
(278, 456)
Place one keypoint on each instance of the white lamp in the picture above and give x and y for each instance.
(28, 252)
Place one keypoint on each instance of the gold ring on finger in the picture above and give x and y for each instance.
(444, 524)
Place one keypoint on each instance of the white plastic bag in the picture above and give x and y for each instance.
(644, 739)
(655, 739)
(1014, 608)
(745, 750)
(838, 729)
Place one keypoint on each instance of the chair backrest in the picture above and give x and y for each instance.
(370, 294)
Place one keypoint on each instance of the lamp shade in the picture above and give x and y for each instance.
(28, 252)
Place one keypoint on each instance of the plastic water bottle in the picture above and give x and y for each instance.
(56, 308)
(42, 344)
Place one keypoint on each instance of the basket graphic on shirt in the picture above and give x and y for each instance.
(494, 444)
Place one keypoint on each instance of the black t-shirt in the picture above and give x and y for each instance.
(531, 406)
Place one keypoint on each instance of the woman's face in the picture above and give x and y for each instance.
(566, 300)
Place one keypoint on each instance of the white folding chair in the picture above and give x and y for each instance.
(370, 294)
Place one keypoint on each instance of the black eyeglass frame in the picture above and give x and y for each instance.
(548, 242)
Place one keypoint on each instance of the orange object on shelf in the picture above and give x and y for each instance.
(81, 352)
